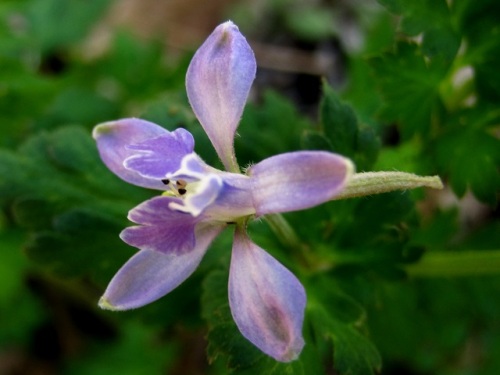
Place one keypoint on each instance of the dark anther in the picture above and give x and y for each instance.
(182, 191)
(166, 181)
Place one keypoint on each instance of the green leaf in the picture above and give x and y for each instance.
(261, 126)
(310, 22)
(409, 88)
(337, 317)
(67, 108)
(342, 132)
(75, 208)
(339, 122)
(49, 17)
(137, 350)
(315, 140)
(81, 242)
(367, 148)
(471, 160)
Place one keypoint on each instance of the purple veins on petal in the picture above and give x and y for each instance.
(157, 157)
(218, 81)
(298, 180)
(161, 228)
(267, 301)
(113, 140)
(149, 275)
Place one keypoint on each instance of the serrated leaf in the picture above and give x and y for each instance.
(441, 43)
(418, 15)
(367, 148)
(339, 122)
(314, 140)
(275, 119)
(409, 88)
(81, 242)
(353, 352)
(474, 166)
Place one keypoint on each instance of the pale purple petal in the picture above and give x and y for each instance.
(157, 157)
(192, 168)
(267, 301)
(218, 82)
(149, 275)
(113, 139)
(162, 229)
(298, 180)
(234, 200)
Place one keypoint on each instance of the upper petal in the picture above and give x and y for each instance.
(218, 82)
(149, 275)
(162, 229)
(267, 301)
(298, 180)
(157, 157)
(113, 141)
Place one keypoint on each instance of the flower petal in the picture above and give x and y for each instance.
(162, 229)
(234, 200)
(149, 275)
(218, 82)
(113, 139)
(298, 180)
(157, 157)
(267, 301)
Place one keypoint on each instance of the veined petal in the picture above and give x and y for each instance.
(298, 180)
(157, 157)
(113, 139)
(162, 229)
(218, 81)
(149, 275)
(267, 301)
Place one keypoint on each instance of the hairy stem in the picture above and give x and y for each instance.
(368, 183)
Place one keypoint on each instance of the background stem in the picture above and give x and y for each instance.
(460, 263)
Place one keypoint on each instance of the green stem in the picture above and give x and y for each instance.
(284, 231)
(453, 264)
(368, 183)
(360, 184)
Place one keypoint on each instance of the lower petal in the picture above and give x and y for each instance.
(267, 301)
(163, 229)
(149, 275)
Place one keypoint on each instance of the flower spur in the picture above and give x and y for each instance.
(175, 229)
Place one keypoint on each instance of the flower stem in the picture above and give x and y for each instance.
(368, 183)
(460, 263)
(283, 230)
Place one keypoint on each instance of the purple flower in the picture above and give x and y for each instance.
(175, 229)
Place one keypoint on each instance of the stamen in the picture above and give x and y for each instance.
(178, 189)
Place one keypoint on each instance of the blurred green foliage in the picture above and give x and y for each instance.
(421, 95)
